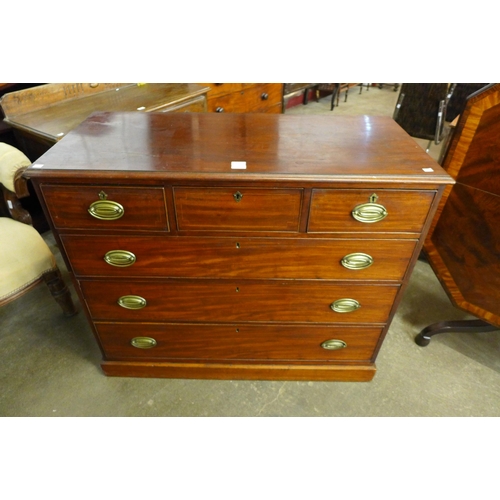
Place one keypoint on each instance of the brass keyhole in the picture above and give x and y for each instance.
(237, 196)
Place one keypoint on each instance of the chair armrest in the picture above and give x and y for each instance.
(12, 183)
(12, 164)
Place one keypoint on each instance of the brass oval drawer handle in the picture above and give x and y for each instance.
(356, 261)
(333, 344)
(345, 305)
(143, 342)
(132, 302)
(369, 213)
(106, 210)
(120, 258)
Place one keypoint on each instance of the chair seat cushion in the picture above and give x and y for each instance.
(11, 160)
(24, 257)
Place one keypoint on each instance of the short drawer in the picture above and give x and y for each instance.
(106, 207)
(238, 208)
(228, 300)
(335, 210)
(257, 98)
(238, 342)
(252, 258)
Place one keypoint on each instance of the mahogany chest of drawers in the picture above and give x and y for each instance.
(252, 246)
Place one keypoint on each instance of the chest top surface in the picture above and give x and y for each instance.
(310, 147)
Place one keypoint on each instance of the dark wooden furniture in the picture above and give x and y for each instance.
(41, 116)
(254, 246)
(244, 97)
(294, 90)
(344, 87)
(464, 240)
(6, 132)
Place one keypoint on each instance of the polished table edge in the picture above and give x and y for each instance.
(160, 178)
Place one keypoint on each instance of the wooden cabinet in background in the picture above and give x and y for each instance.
(43, 115)
(245, 97)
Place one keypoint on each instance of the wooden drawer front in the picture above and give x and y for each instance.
(238, 208)
(224, 301)
(257, 98)
(144, 208)
(276, 108)
(237, 342)
(253, 258)
(331, 210)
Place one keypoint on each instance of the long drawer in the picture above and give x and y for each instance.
(237, 342)
(106, 207)
(231, 300)
(364, 211)
(258, 258)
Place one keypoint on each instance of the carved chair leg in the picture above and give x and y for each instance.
(470, 326)
(60, 291)
(14, 208)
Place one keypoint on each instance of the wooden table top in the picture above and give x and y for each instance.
(290, 147)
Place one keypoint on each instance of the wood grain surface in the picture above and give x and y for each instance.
(463, 243)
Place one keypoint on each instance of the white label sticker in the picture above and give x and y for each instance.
(428, 169)
(239, 165)
(37, 165)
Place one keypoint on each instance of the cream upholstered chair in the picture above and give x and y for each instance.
(25, 258)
